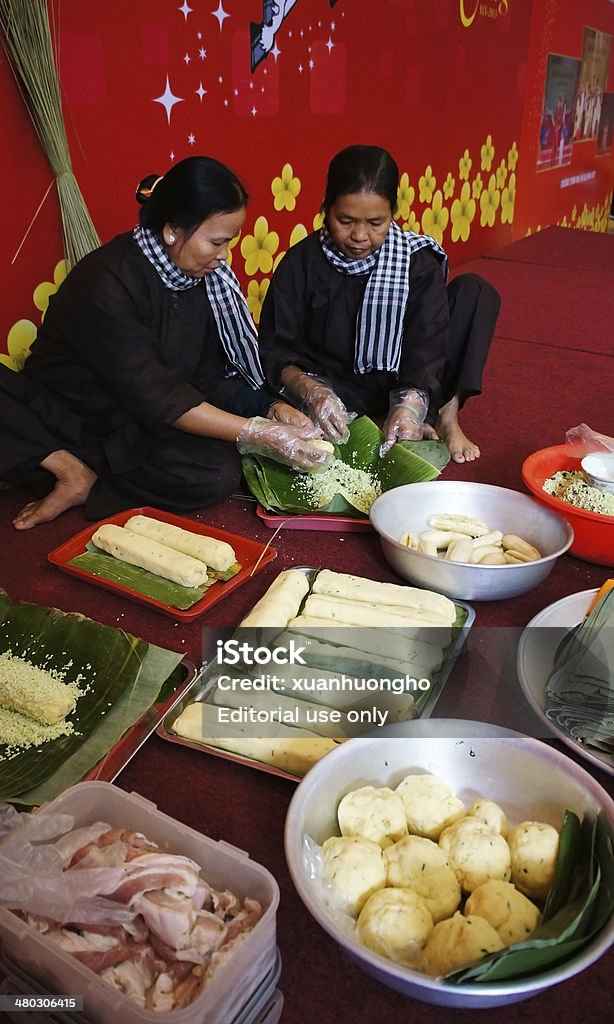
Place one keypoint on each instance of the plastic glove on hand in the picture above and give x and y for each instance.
(408, 409)
(282, 412)
(284, 443)
(326, 409)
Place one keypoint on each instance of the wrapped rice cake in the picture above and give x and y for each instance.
(149, 554)
(281, 601)
(34, 692)
(215, 553)
(292, 750)
(357, 588)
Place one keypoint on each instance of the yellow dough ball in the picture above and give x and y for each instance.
(511, 914)
(458, 942)
(355, 868)
(475, 853)
(490, 814)
(419, 864)
(534, 847)
(430, 804)
(373, 813)
(395, 923)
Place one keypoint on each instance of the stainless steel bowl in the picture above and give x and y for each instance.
(409, 508)
(529, 779)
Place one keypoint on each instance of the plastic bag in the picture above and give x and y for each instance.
(408, 409)
(292, 446)
(586, 440)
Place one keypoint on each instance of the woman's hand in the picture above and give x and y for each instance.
(283, 442)
(281, 412)
(320, 403)
(405, 420)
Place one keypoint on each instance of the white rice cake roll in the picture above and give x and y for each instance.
(267, 700)
(356, 588)
(413, 657)
(312, 626)
(281, 601)
(292, 750)
(149, 554)
(363, 613)
(34, 692)
(215, 553)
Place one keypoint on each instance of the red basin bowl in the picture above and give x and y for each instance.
(593, 533)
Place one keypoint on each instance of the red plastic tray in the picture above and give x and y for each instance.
(313, 521)
(252, 556)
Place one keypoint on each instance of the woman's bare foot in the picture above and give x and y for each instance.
(73, 482)
(462, 449)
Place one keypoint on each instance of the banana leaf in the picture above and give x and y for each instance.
(579, 904)
(281, 489)
(121, 677)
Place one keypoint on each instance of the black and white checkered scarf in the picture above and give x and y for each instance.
(232, 317)
(379, 325)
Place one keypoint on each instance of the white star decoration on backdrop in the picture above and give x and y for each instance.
(168, 99)
(329, 44)
(276, 51)
(200, 92)
(191, 138)
(187, 58)
(220, 14)
(202, 53)
(185, 9)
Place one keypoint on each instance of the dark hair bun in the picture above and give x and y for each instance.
(146, 187)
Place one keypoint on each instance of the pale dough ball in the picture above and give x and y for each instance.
(419, 864)
(395, 923)
(511, 914)
(376, 814)
(490, 814)
(534, 847)
(475, 853)
(356, 869)
(458, 942)
(429, 804)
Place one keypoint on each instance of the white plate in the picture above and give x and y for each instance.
(534, 668)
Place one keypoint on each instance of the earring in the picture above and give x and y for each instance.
(171, 239)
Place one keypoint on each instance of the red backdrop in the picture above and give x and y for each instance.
(453, 88)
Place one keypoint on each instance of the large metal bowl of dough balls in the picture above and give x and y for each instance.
(408, 850)
(420, 527)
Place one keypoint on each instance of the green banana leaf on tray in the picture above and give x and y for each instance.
(281, 489)
(120, 677)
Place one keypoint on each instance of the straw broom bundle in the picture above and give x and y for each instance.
(27, 42)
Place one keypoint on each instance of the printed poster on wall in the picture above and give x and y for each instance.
(556, 128)
(605, 135)
(593, 79)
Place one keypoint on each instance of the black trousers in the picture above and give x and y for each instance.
(177, 472)
(474, 307)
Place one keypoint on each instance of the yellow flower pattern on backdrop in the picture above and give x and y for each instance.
(448, 186)
(231, 245)
(318, 220)
(489, 203)
(464, 166)
(405, 197)
(463, 212)
(258, 249)
(508, 198)
(477, 186)
(18, 342)
(427, 184)
(256, 291)
(501, 174)
(285, 189)
(487, 154)
(412, 223)
(435, 218)
(23, 332)
(512, 157)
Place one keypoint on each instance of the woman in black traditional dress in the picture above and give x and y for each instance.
(145, 374)
(358, 317)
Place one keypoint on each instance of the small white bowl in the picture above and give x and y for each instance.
(598, 467)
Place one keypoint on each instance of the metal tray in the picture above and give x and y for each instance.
(109, 767)
(205, 682)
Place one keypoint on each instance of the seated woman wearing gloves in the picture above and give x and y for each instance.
(145, 374)
(358, 317)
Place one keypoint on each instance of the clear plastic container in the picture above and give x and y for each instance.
(224, 866)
